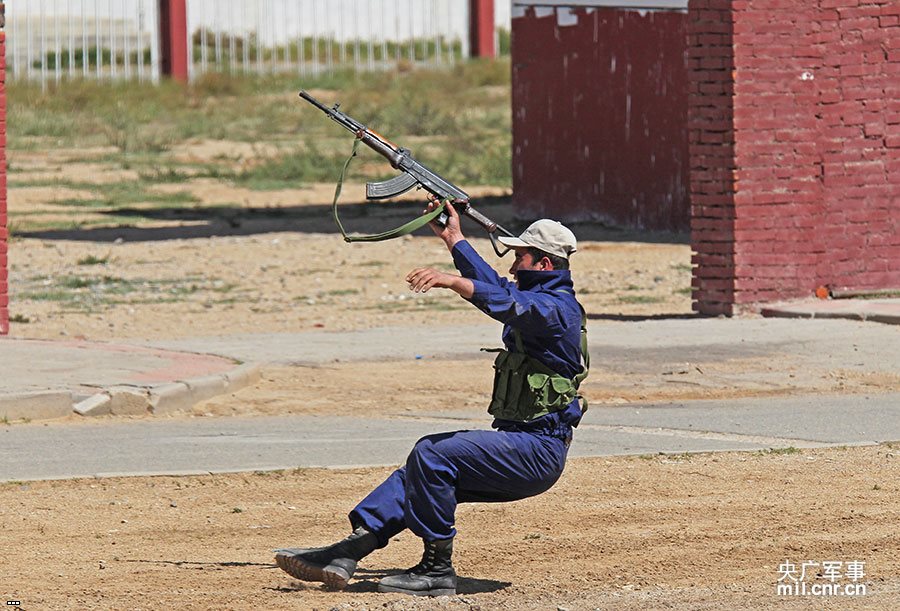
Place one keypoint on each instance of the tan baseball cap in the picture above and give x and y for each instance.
(550, 236)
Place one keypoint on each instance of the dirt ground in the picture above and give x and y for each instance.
(665, 532)
(680, 532)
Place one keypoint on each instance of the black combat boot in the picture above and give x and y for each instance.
(333, 565)
(433, 576)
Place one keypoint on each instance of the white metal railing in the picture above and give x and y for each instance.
(104, 39)
(51, 40)
(310, 36)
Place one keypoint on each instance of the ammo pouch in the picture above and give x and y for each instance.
(525, 388)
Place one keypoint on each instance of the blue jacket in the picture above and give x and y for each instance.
(543, 308)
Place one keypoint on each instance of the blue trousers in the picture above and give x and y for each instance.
(459, 467)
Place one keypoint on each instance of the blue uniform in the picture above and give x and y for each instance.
(513, 462)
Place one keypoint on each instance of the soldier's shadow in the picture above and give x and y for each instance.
(366, 580)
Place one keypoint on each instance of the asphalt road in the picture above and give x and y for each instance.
(225, 444)
(200, 445)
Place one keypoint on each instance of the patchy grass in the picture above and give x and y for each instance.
(341, 292)
(780, 451)
(135, 117)
(632, 299)
(49, 295)
(86, 292)
(142, 123)
(161, 174)
(292, 169)
(682, 457)
(93, 260)
(103, 209)
(438, 304)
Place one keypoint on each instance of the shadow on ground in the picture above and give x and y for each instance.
(367, 581)
(192, 564)
(359, 217)
(465, 585)
(645, 317)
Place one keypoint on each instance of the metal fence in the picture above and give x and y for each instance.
(51, 40)
(322, 35)
(105, 39)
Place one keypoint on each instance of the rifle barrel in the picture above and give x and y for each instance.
(315, 102)
(334, 114)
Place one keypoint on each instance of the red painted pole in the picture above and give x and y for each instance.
(174, 47)
(481, 28)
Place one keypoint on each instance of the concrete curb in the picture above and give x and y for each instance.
(884, 311)
(129, 400)
(170, 398)
(95, 405)
(39, 405)
(888, 319)
(182, 395)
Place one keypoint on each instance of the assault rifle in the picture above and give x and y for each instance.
(414, 174)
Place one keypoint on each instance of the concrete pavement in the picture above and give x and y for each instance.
(48, 379)
(217, 445)
(873, 310)
(45, 379)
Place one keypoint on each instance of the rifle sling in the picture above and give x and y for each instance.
(402, 230)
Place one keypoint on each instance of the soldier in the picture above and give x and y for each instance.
(534, 404)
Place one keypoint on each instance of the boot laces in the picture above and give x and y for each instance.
(429, 556)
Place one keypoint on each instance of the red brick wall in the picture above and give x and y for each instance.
(711, 149)
(599, 116)
(4, 232)
(795, 178)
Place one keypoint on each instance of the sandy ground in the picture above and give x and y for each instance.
(239, 260)
(277, 281)
(687, 532)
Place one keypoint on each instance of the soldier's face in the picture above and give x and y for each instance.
(525, 261)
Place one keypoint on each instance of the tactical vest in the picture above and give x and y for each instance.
(525, 388)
